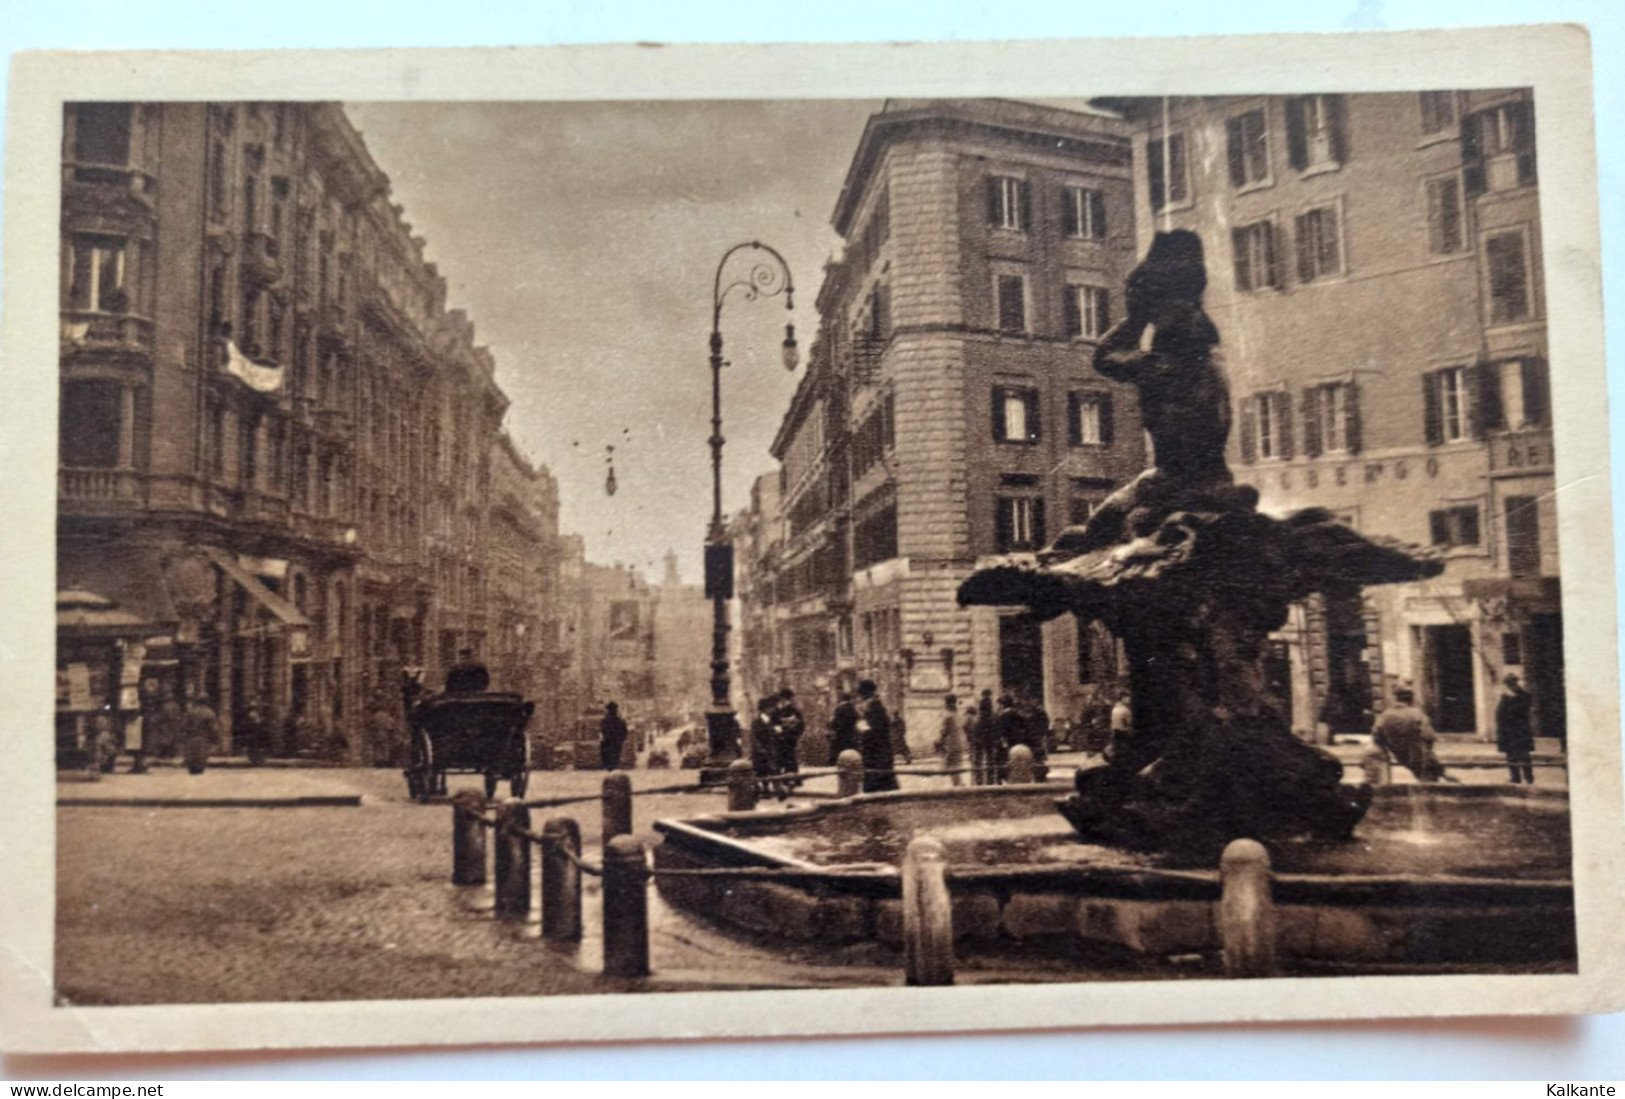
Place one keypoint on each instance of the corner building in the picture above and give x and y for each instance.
(1374, 268)
(276, 440)
(950, 411)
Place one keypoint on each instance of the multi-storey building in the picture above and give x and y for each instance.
(1374, 270)
(682, 625)
(523, 648)
(276, 442)
(753, 639)
(949, 411)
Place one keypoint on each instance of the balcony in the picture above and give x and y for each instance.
(333, 322)
(262, 259)
(114, 333)
(104, 191)
(260, 507)
(99, 487)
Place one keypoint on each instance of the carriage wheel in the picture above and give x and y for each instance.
(417, 768)
(433, 780)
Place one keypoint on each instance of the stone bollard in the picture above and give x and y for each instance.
(849, 774)
(928, 915)
(512, 861)
(468, 838)
(626, 909)
(1246, 910)
(1379, 770)
(741, 786)
(561, 880)
(617, 798)
(1021, 764)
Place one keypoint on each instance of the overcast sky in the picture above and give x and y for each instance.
(582, 239)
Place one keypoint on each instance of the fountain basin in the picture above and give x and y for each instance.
(1437, 878)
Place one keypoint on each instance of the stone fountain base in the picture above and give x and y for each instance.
(1488, 886)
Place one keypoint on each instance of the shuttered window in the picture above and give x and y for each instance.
(1445, 235)
(1331, 419)
(1266, 427)
(1011, 292)
(1087, 311)
(1320, 244)
(1167, 170)
(1256, 263)
(1248, 145)
(1509, 277)
(1018, 523)
(1089, 419)
(1015, 414)
(1316, 131)
(1083, 213)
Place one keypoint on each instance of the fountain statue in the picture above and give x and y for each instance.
(1183, 568)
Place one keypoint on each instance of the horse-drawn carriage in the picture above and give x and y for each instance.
(480, 732)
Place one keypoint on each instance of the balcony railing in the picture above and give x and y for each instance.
(262, 257)
(100, 486)
(84, 330)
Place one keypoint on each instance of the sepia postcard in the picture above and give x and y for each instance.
(637, 542)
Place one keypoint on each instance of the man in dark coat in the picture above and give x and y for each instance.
(467, 676)
(983, 734)
(612, 737)
(843, 729)
(1514, 735)
(764, 736)
(874, 726)
(1037, 729)
(790, 725)
(1009, 730)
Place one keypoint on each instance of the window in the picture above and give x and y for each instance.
(1509, 278)
(1011, 292)
(1524, 397)
(874, 537)
(92, 417)
(217, 181)
(1331, 419)
(1266, 427)
(101, 133)
(1083, 213)
(1015, 414)
(1445, 235)
(880, 313)
(1248, 143)
(1257, 267)
(96, 275)
(1523, 536)
(1089, 419)
(1315, 127)
(1320, 246)
(1498, 147)
(1088, 312)
(1454, 526)
(1438, 112)
(1018, 523)
(1451, 404)
(1166, 167)
(1007, 203)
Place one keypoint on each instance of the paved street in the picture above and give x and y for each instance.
(173, 904)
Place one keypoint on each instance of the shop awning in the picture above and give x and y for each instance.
(279, 607)
(108, 587)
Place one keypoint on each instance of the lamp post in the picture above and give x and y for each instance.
(767, 275)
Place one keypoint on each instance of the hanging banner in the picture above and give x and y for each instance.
(261, 379)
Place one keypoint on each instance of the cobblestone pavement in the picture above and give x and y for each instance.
(167, 905)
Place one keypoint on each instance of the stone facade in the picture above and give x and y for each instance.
(277, 442)
(1389, 362)
(949, 411)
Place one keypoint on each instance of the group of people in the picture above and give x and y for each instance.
(775, 734)
(1405, 735)
(862, 724)
(985, 732)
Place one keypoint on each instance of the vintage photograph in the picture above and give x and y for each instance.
(570, 547)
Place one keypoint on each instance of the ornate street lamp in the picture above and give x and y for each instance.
(768, 275)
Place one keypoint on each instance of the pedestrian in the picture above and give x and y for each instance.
(1009, 730)
(953, 743)
(764, 749)
(1122, 728)
(874, 727)
(1404, 732)
(789, 727)
(107, 741)
(252, 734)
(899, 738)
(1037, 730)
(983, 734)
(1514, 735)
(200, 730)
(166, 730)
(611, 737)
(843, 728)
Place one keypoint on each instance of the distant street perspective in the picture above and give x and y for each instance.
(561, 548)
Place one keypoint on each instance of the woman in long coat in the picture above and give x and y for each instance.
(874, 726)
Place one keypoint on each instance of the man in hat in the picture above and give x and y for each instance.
(843, 728)
(1514, 735)
(874, 726)
(789, 725)
(612, 734)
(1404, 732)
(467, 676)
